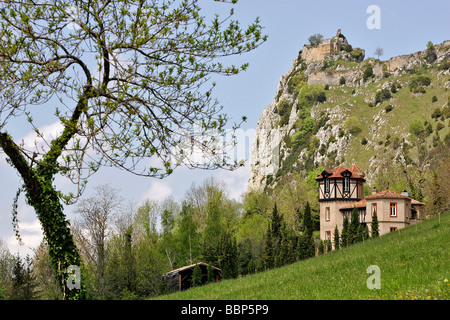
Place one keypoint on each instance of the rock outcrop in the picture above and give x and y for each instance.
(333, 63)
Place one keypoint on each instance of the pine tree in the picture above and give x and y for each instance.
(374, 232)
(328, 246)
(359, 233)
(336, 238)
(228, 256)
(276, 223)
(307, 220)
(301, 247)
(354, 226)
(321, 247)
(268, 255)
(345, 235)
(366, 232)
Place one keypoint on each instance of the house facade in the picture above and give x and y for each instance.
(342, 189)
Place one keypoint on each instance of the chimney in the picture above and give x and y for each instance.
(374, 190)
(406, 193)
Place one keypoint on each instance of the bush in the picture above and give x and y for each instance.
(352, 125)
(356, 54)
(368, 73)
(296, 82)
(436, 113)
(364, 141)
(341, 80)
(439, 126)
(418, 83)
(348, 48)
(382, 95)
(389, 108)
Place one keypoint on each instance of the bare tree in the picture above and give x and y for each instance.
(379, 52)
(93, 227)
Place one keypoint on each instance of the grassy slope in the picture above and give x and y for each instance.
(414, 264)
(407, 108)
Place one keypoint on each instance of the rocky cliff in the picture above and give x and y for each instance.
(334, 107)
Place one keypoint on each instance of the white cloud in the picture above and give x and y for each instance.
(33, 141)
(159, 190)
(236, 181)
(31, 236)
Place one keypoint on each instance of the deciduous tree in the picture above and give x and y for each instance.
(125, 81)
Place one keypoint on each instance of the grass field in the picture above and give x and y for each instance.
(414, 264)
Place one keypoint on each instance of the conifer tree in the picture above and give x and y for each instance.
(268, 255)
(328, 246)
(307, 220)
(321, 247)
(374, 232)
(276, 223)
(336, 238)
(301, 247)
(345, 233)
(310, 249)
(359, 233)
(354, 225)
(366, 232)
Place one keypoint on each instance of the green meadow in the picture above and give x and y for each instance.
(413, 263)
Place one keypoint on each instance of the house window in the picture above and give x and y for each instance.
(347, 184)
(327, 185)
(391, 229)
(327, 235)
(327, 214)
(393, 209)
(374, 209)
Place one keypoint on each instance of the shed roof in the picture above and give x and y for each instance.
(190, 267)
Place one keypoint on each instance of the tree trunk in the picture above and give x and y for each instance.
(42, 195)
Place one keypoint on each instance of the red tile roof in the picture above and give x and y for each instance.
(359, 204)
(337, 172)
(387, 194)
(413, 201)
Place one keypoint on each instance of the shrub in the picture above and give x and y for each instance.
(382, 95)
(436, 113)
(418, 83)
(439, 126)
(296, 82)
(394, 87)
(416, 128)
(364, 141)
(444, 65)
(348, 48)
(434, 99)
(284, 110)
(341, 80)
(352, 125)
(389, 108)
(356, 54)
(368, 73)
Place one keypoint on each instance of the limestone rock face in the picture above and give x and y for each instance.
(335, 63)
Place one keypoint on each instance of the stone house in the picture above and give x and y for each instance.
(342, 189)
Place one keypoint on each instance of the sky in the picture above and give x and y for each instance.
(398, 26)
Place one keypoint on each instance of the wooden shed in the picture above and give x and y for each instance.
(181, 278)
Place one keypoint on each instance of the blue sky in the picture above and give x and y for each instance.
(405, 27)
